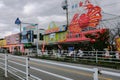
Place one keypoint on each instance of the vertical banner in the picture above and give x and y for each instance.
(117, 40)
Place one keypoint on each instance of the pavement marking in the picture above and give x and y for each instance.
(56, 75)
(67, 70)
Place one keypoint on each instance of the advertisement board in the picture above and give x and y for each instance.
(28, 28)
(52, 28)
(27, 36)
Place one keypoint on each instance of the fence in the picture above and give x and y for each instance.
(97, 56)
(5, 59)
(6, 67)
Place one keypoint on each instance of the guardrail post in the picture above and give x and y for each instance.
(74, 55)
(95, 75)
(6, 65)
(96, 56)
(27, 73)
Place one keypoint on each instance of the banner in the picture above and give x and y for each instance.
(117, 40)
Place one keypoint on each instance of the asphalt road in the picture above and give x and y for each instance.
(54, 72)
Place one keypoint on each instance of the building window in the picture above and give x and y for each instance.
(40, 36)
(35, 36)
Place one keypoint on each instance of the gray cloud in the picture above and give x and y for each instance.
(40, 11)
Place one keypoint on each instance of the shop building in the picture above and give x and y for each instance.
(80, 25)
(40, 36)
(13, 43)
(54, 35)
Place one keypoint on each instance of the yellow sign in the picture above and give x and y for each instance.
(2, 43)
(118, 44)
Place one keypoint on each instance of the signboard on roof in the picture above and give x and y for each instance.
(27, 28)
(52, 28)
(87, 15)
(27, 36)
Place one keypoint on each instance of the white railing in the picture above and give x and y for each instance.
(97, 56)
(6, 67)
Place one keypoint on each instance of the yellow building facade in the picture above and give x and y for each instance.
(2, 43)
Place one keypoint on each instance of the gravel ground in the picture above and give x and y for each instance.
(10, 77)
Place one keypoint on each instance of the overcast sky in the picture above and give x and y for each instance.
(41, 12)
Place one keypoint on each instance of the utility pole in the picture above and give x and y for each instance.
(37, 40)
(65, 7)
(67, 13)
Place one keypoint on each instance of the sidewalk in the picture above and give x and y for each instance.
(10, 77)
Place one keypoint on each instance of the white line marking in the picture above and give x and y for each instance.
(56, 75)
(63, 65)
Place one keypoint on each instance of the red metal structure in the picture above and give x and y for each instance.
(81, 36)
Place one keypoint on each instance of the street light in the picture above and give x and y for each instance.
(65, 7)
(18, 22)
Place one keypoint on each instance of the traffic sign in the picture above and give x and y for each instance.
(17, 21)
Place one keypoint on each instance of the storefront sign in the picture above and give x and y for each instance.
(27, 36)
(56, 29)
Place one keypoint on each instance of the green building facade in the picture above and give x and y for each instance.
(55, 34)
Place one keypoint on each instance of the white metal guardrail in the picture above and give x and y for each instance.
(110, 73)
(97, 56)
(6, 67)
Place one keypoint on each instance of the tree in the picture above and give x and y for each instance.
(99, 40)
(114, 32)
